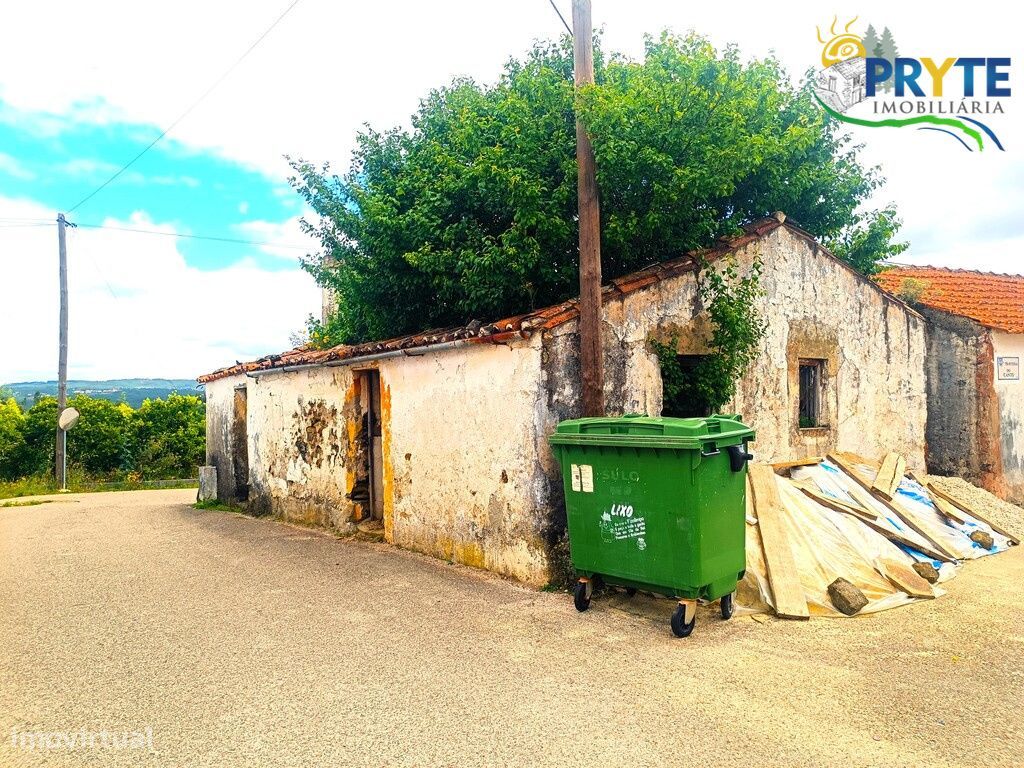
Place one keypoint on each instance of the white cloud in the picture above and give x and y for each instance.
(278, 236)
(136, 307)
(329, 67)
(12, 167)
(84, 166)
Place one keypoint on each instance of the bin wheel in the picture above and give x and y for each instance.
(630, 591)
(679, 627)
(728, 605)
(580, 598)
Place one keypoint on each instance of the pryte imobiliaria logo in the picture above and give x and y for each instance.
(867, 82)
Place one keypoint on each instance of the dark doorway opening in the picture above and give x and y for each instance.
(683, 396)
(374, 436)
(240, 444)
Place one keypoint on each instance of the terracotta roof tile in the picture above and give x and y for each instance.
(992, 299)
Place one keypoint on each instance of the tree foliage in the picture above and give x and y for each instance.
(12, 438)
(868, 239)
(470, 213)
(164, 438)
(729, 298)
(170, 436)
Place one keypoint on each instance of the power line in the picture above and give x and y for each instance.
(234, 240)
(191, 107)
(564, 23)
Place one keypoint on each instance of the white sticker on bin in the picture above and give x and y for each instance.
(576, 477)
(587, 478)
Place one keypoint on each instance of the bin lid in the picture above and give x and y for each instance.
(652, 431)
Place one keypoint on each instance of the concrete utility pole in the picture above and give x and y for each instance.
(60, 453)
(591, 355)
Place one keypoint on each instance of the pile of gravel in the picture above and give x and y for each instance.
(1002, 513)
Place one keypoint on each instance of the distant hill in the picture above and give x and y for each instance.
(131, 391)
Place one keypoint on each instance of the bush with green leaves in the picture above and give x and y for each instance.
(12, 439)
(163, 439)
(170, 436)
(729, 298)
(471, 213)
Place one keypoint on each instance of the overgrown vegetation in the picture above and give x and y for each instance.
(112, 444)
(470, 213)
(214, 505)
(912, 289)
(737, 327)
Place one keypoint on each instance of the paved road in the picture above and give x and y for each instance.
(248, 642)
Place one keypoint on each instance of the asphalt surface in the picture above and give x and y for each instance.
(241, 642)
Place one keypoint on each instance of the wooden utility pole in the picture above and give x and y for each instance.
(591, 356)
(60, 458)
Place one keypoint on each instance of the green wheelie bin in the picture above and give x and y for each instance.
(657, 504)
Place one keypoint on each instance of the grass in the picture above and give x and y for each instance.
(215, 505)
(31, 503)
(44, 486)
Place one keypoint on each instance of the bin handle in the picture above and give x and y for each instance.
(738, 457)
(713, 452)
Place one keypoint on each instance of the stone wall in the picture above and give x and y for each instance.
(815, 307)
(462, 440)
(222, 438)
(963, 418)
(467, 471)
(464, 433)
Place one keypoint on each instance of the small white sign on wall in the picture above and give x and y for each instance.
(1008, 368)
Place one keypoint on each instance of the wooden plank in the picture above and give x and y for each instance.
(889, 476)
(894, 536)
(837, 504)
(883, 481)
(856, 458)
(859, 490)
(961, 505)
(906, 578)
(906, 518)
(808, 462)
(897, 478)
(946, 509)
(787, 591)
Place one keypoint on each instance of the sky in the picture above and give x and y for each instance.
(85, 86)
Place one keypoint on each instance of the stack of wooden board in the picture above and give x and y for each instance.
(846, 517)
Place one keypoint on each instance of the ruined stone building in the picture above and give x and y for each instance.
(442, 435)
(975, 396)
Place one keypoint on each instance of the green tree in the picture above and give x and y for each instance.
(12, 439)
(471, 212)
(868, 240)
(170, 436)
(101, 442)
(39, 437)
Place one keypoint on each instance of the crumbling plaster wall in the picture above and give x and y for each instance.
(462, 440)
(963, 415)
(873, 348)
(1010, 394)
(815, 307)
(462, 443)
(220, 445)
(299, 444)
